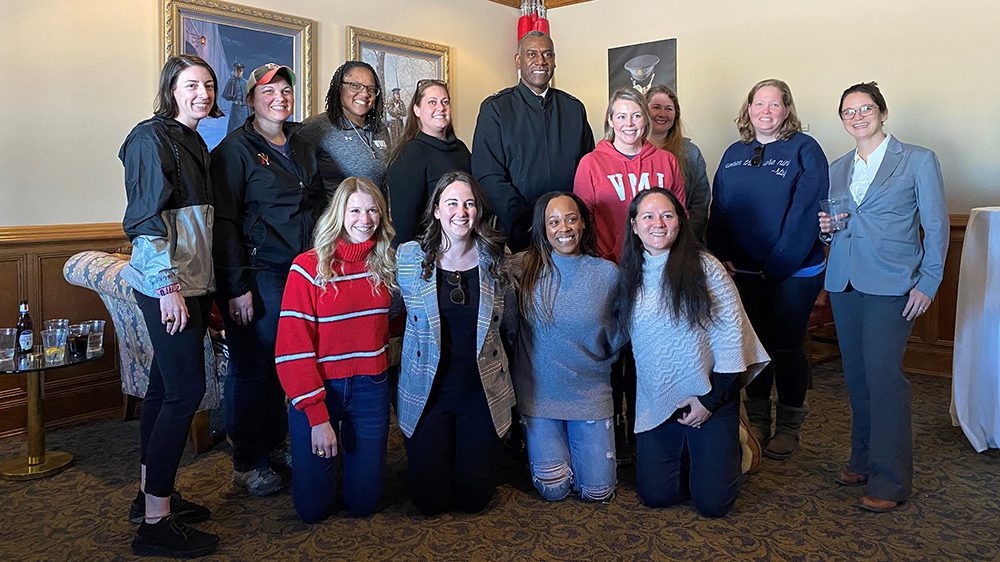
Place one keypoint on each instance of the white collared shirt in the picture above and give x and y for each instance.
(864, 172)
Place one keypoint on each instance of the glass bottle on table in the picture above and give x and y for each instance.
(25, 334)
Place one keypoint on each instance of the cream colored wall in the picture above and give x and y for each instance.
(935, 62)
(78, 74)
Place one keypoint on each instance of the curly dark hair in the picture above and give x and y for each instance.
(684, 285)
(432, 240)
(334, 109)
(538, 268)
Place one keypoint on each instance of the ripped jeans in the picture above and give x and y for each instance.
(572, 455)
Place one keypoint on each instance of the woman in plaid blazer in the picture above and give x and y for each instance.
(455, 393)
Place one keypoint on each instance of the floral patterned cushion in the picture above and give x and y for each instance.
(101, 273)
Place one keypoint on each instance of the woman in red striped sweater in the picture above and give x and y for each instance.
(331, 355)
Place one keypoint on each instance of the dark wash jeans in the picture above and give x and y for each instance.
(176, 387)
(254, 400)
(359, 413)
(675, 462)
(779, 312)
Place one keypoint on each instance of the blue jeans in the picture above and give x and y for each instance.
(779, 312)
(576, 455)
(254, 401)
(359, 413)
(675, 462)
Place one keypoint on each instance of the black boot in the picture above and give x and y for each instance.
(786, 431)
(759, 416)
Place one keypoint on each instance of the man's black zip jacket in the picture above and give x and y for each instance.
(524, 148)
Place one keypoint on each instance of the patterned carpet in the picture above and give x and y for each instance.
(791, 510)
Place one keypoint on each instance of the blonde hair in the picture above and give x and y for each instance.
(330, 227)
(791, 125)
(674, 141)
(627, 94)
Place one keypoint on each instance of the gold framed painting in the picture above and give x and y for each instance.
(234, 40)
(399, 62)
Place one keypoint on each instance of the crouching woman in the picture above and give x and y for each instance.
(694, 348)
(564, 351)
(331, 355)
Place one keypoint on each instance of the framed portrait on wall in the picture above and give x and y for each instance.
(400, 63)
(235, 40)
(643, 65)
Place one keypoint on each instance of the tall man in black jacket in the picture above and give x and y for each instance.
(528, 140)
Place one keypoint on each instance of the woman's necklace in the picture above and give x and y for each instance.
(364, 140)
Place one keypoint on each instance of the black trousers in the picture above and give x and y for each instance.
(451, 455)
(779, 312)
(176, 387)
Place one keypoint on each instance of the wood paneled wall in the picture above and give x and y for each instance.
(933, 338)
(31, 263)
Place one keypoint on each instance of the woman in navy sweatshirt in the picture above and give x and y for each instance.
(763, 228)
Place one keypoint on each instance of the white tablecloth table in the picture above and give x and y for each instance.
(975, 384)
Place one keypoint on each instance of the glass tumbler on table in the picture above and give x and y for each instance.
(8, 343)
(95, 340)
(54, 344)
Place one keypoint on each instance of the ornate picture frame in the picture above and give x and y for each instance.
(399, 62)
(234, 40)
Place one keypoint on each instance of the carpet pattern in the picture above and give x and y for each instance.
(791, 510)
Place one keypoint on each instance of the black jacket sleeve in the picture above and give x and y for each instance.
(229, 177)
(490, 168)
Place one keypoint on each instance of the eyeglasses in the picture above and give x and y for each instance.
(864, 110)
(356, 87)
(433, 81)
(758, 156)
(457, 294)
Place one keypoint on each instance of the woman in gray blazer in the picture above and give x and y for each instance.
(881, 277)
(455, 393)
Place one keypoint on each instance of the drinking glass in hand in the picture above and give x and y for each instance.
(837, 210)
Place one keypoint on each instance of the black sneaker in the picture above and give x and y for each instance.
(183, 510)
(172, 538)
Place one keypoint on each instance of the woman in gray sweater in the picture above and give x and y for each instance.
(694, 349)
(564, 350)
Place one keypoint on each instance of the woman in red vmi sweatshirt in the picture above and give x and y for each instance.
(331, 354)
(623, 164)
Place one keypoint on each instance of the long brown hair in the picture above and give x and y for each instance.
(413, 122)
(166, 104)
(791, 125)
(674, 141)
(538, 267)
(483, 232)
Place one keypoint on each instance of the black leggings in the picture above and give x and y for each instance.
(176, 387)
